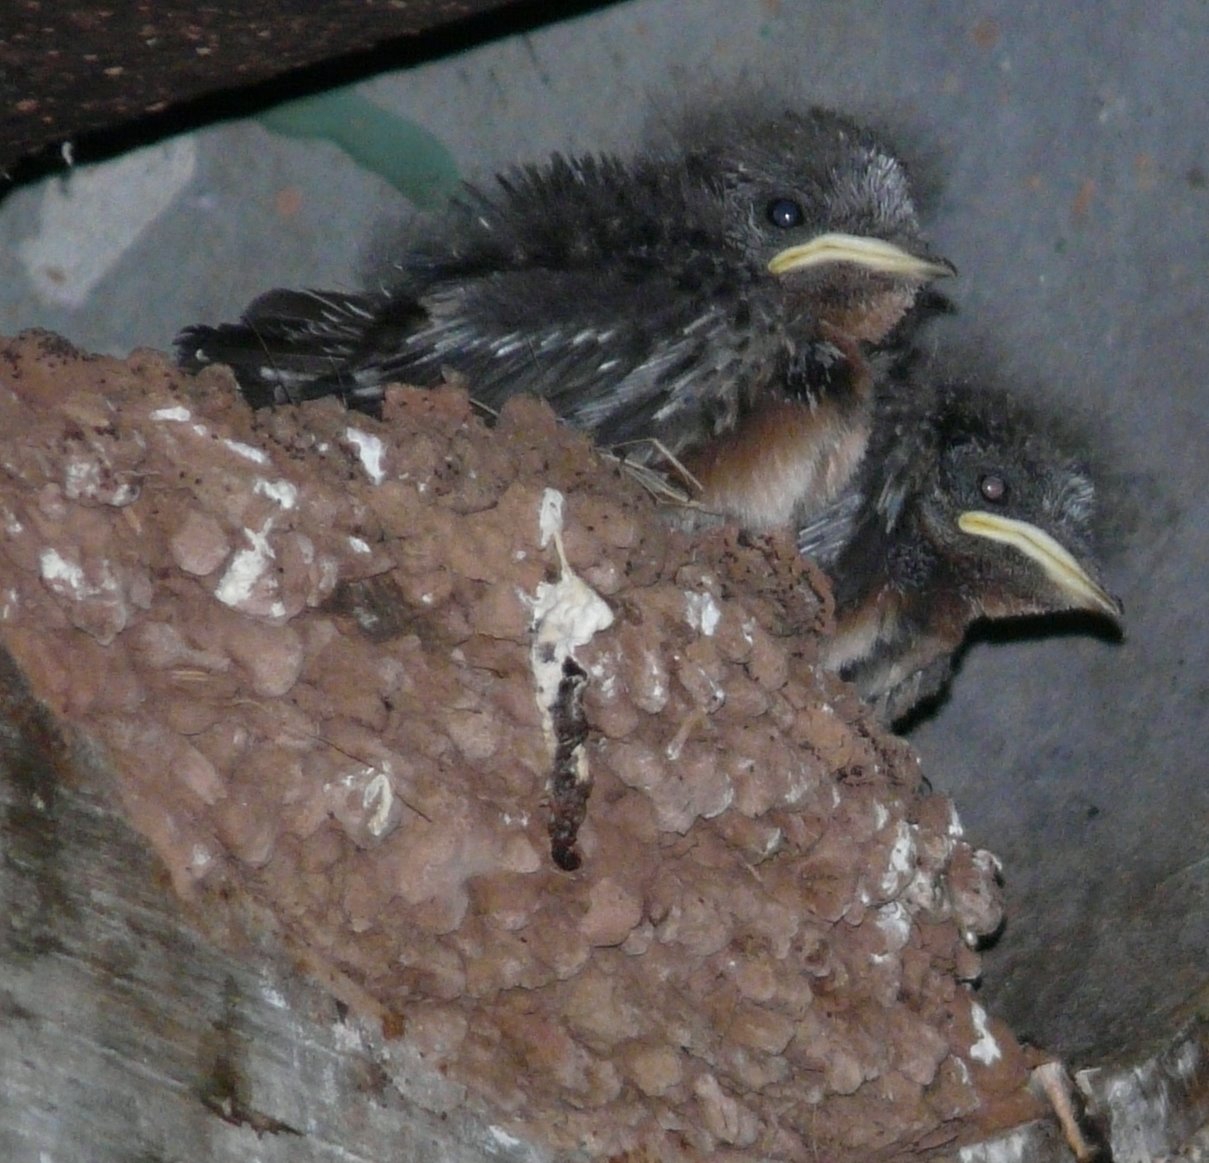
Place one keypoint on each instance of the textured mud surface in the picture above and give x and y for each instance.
(316, 650)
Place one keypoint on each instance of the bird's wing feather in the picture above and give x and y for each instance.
(655, 368)
(295, 345)
(826, 534)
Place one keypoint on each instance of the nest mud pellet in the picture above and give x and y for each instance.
(303, 639)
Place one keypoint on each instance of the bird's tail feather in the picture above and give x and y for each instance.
(290, 346)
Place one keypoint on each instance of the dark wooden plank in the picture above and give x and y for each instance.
(68, 69)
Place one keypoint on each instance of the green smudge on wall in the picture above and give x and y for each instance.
(410, 158)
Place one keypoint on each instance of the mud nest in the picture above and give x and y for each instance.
(558, 786)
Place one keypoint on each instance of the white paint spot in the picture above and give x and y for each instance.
(702, 613)
(177, 412)
(986, 1050)
(246, 451)
(284, 493)
(88, 220)
(371, 452)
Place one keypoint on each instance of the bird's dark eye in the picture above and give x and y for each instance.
(993, 488)
(785, 213)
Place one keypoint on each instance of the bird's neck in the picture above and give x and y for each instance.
(896, 608)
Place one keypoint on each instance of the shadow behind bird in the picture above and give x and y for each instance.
(711, 299)
(968, 506)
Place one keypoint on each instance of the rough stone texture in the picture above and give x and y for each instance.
(303, 641)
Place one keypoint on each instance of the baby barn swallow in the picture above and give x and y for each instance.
(965, 508)
(708, 300)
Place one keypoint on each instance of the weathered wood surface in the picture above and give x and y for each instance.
(126, 1034)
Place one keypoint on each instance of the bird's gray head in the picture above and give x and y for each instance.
(807, 206)
(824, 206)
(1004, 509)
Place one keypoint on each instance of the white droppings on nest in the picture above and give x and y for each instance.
(179, 414)
(550, 517)
(63, 576)
(378, 799)
(802, 783)
(237, 586)
(358, 545)
(80, 474)
(201, 860)
(255, 455)
(281, 492)
(702, 613)
(956, 830)
(567, 613)
(895, 922)
(986, 1050)
(364, 802)
(70, 581)
(371, 452)
(901, 862)
(604, 671)
(987, 862)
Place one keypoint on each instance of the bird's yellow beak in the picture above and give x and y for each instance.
(873, 254)
(1039, 547)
